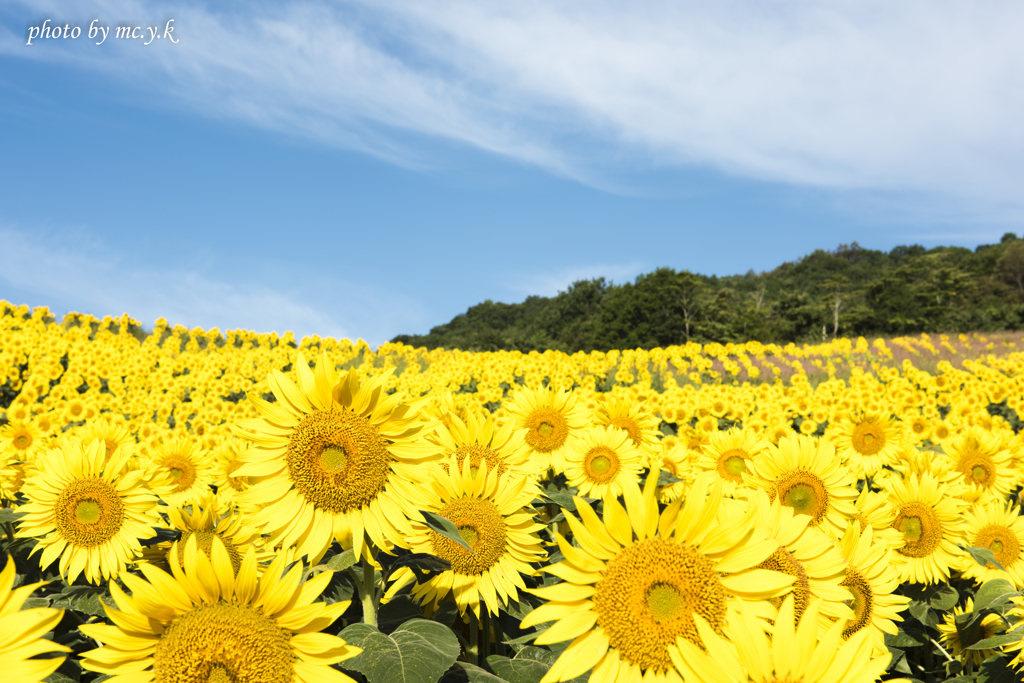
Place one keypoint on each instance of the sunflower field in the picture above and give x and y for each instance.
(192, 506)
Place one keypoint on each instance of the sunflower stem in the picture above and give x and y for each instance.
(473, 647)
(366, 590)
(941, 649)
(485, 635)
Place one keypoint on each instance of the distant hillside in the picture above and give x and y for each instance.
(847, 292)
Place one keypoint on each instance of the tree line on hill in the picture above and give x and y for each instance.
(851, 291)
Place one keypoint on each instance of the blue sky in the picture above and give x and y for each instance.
(367, 169)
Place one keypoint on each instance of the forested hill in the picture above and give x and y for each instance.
(847, 292)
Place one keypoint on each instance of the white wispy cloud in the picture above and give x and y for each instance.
(76, 271)
(922, 96)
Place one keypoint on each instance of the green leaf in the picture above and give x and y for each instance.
(997, 641)
(983, 556)
(902, 639)
(993, 594)
(944, 598)
(419, 651)
(518, 670)
(464, 672)
(446, 613)
(444, 527)
(10, 515)
(342, 561)
(562, 500)
(666, 478)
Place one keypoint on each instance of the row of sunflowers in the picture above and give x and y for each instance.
(187, 506)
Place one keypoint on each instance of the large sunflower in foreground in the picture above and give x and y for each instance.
(637, 579)
(205, 623)
(805, 474)
(21, 632)
(930, 519)
(872, 581)
(999, 527)
(794, 653)
(88, 510)
(552, 419)
(338, 461)
(493, 514)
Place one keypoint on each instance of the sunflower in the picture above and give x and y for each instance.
(481, 440)
(338, 461)
(26, 438)
(638, 578)
(727, 456)
(22, 630)
(493, 514)
(11, 473)
(984, 463)
(872, 580)
(180, 471)
(87, 510)
(795, 653)
(600, 460)
(205, 623)
(636, 418)
(552, 419)
(991, 625)
(208, 517)
(929, 515)
(805, 475)
(866, 442)
(999, 527)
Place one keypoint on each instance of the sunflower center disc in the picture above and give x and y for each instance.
(921, 529)
(334, 459)
(88, 512)
(665, 602)
(862, 602)
(481, 526)
(868, 438)
(648, 596)
(181, 470)
(732, 465)
(978, 469)
(783, 561)
(338, 460)
(1002, 542)
(22, 441)
(224, 642)
(547, 429)
(601, 464)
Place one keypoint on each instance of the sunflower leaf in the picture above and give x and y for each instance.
(444, 526)
(10, 515)
(518, 670)
(993, 594)
(666, 478)
(983, 556)
(342, 561)
(998, 641)
(418, 651)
